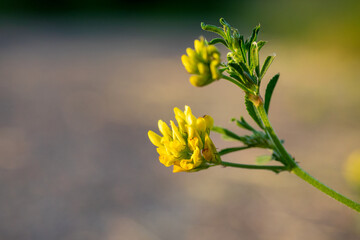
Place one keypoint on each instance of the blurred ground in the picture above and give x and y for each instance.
(77, 100)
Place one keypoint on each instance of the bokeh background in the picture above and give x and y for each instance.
(81, 83)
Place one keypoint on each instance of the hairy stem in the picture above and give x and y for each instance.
(294, 168)
(285, 156)
(325, 189)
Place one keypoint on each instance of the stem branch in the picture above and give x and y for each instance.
(275, 169)
(285, 156)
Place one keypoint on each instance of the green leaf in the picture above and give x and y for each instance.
(254, 34)
(254, 58)
(234, 149)
(243, 48)
(269, 91)
(252, 112)
(262, 160)
(233, 75)
(218, 40)
(243, 124)
(261, 44)
(227, 134)
(266, 66)
(246, 73)
(214, 29)
(224, 23)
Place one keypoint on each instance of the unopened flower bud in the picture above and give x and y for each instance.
(203, 62)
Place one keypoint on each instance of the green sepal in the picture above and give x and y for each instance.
(269, 91)
(262, 160)
(252, 112)
(212, 28)
(227, 134)
(218, 40)
(266, 66)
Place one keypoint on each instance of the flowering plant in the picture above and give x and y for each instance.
(188, 147)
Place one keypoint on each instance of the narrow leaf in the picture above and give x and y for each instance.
(261, 44)
(243, 124)
(246, 73)
(218, 40)
(224, 23)
(254, 34)
(230, 150)
(243, 47)
(252, 112)
(214, 29)
(266, 66)
(269, 91)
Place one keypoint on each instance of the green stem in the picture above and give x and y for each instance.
(294, 168)
(275, 169)
(285, 156)
(325, 189)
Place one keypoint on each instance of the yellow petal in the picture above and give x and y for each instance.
(215, 73)
(188, 64)
(209, 121)
(186, 164)
(203, 69)
(176, 134)
(199, 80)
(167, 160)
(155, 139)
(176, 149)
(194, 139)
(211, 49)
(201, 124)
(178, 169)
(164, 129)
(196, 157)
(179, 113)
(191, 53)
(190, 118)
(199, 45)
(209, 152)
(161, 151)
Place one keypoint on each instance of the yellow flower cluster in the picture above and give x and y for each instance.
(188, 146)
(203, 61)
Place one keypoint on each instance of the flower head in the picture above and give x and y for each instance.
(203, 62)
(187, 146)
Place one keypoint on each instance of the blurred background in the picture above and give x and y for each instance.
(81, 83)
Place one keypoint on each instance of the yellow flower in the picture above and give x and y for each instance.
(188, 146)
(352, 169)
(203, 61)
